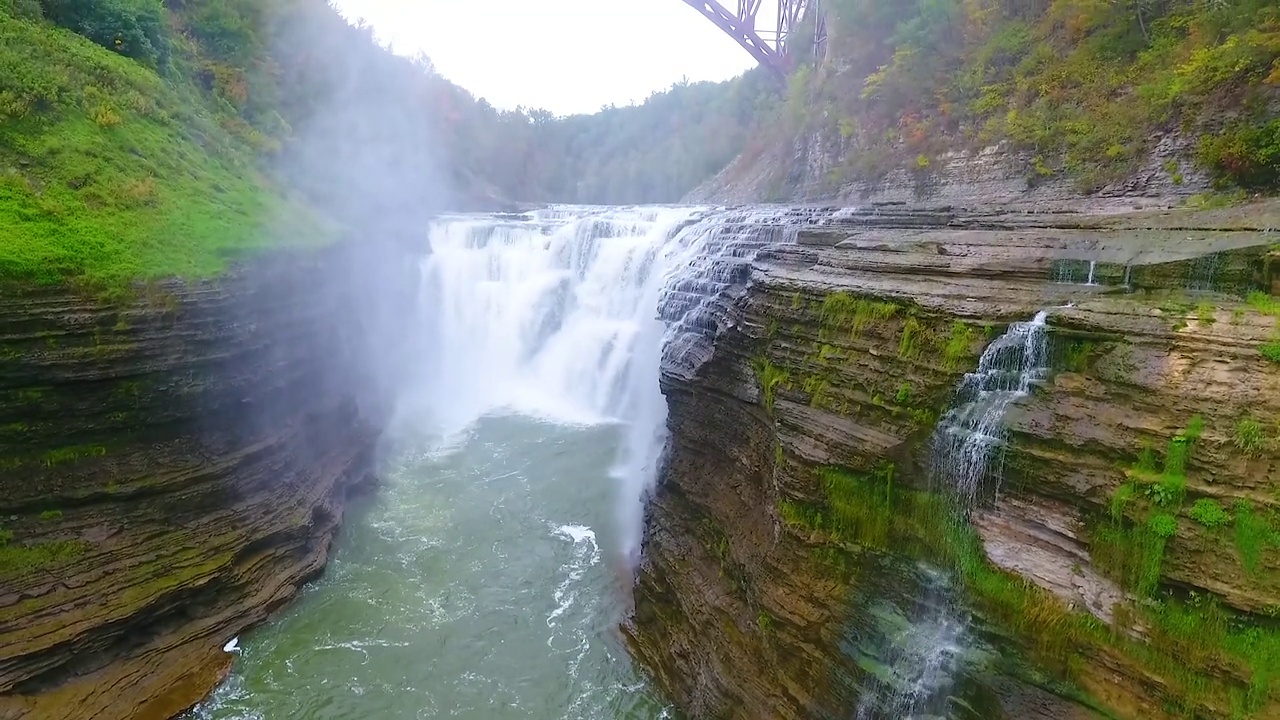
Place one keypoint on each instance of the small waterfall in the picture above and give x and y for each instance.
(972, 433)
(570, 313)
(966, 463)
(1093, 268)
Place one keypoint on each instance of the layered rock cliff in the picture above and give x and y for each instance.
(1125, 565)
(175, 468)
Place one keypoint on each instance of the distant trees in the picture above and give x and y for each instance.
(133, 28)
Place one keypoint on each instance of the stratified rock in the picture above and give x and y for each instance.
(755, 600)
(175, 467)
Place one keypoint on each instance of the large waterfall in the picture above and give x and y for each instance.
(564, 313)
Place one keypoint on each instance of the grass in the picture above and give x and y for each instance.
(1206, 314)
(1250, 438)
(844, 311)
(1270, 350)
(116, 174)
(911, 341)
(959, 345)
(51, 515)
(770, 377)
(1254, 534)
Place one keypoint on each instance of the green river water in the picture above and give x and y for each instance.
(474, 584)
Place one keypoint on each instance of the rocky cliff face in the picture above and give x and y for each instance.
(1128, 561)
(811, 168)
(174, 470)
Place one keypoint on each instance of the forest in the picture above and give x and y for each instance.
(1085, 87)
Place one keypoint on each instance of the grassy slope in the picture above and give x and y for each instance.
(109, 172)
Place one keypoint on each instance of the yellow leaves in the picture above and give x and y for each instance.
(105, 116)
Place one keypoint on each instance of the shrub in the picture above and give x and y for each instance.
(1246, 155)
(133, 28)
(24, 9)
(1163, 526)
(1209, 513)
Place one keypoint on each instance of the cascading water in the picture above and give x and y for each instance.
(568, 314)
(966, 464)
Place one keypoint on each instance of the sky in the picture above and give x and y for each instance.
(566, 56)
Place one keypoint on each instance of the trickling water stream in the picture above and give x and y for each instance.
(966, 463)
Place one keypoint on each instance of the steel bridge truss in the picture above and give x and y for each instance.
(771, 47)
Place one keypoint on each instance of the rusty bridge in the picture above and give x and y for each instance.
(772, 46)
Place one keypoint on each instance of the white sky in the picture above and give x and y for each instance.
(567, 56)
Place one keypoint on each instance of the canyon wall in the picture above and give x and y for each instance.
(175, 466)
(1127, 565)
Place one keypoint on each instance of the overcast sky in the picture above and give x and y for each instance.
(568, 56)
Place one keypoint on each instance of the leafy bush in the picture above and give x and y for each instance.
(1244, 154)
(24, 9)
(1163, 526)
(1209, 513)
(133, 28)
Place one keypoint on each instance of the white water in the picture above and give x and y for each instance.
(565, 315)
(970, 434)
(967, 441)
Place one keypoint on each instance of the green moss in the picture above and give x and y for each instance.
(1264, 303)
(22, 559)
(66, 455)
(1076, 356)
(49, 515)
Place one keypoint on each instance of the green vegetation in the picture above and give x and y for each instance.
(1206, 313)
(1187, 642)
(51, 515)
(1264, 303)
(958, 346)
(770, 377)
(117, 171)
(1254, 534)
(842, 311)
(1083, 86)
(143, 139)
(1270, 350)
(912, 341)
(1209, 513)
(1250, 438)
(17, 559)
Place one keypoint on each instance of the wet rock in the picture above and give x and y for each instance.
(175, 468)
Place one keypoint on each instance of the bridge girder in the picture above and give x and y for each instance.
(770, 47)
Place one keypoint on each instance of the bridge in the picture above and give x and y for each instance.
(773, 46)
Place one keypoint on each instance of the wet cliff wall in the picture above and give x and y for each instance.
(1126, 567)
(174, 468)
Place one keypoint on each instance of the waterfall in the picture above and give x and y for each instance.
(1093, 267)
(569, 314)
(966, 463)
(972, 433)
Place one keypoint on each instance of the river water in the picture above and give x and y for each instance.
(473, 585)
(487, 577)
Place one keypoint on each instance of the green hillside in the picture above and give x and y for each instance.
(115, 167)
(1084, 86)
